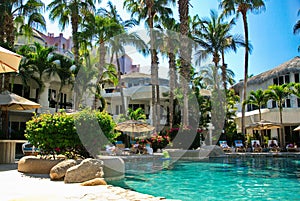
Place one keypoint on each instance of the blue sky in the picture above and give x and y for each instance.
(270, 33)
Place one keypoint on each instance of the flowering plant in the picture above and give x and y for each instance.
(159, 141)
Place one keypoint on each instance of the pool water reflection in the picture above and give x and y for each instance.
(254, 178)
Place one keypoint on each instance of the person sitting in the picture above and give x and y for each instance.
(239, 147)
(273, 146)
(135, 148)
(224, 146)
(292, 147)
(110, 149)
(148, 147)
(256, 146)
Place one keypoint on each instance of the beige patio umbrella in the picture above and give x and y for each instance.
(10, 101)
(9, 61)
(263, 125)
(297, 129)
(135, 128)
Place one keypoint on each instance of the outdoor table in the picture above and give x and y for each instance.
(8, 150)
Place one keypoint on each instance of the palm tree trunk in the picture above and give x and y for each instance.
(185, 54)
(282, 131)
(172, 67)
(120, 85)
(74, 22)
(224, 67)
(245, 69)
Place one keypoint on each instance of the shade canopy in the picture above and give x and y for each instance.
(134, 126)
(11, 101)
(263, 125)
(9, 61)
(297, 129)
(145, 92)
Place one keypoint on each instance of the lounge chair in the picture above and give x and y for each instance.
(273, 146)
(29, 149)
(255, 144)
(224, 146)
(120, 146)
(239, 146)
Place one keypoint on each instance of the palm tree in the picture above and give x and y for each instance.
(279, 93)
(62, 69)
(122, 39)
(73, 11)
(185, 55)
(257, 98)
(151, 11)
(295, 89)
(14, 13)
(40, 61)
(296, 29)
(137, 114)
(243, 6)
(171, 47)
(214, 37)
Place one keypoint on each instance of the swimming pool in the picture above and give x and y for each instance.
(244, 178)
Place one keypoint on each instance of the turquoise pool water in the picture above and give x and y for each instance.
(217, 179)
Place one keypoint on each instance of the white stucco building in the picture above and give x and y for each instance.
(284, 73)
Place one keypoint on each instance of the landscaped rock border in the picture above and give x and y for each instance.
(113, 167)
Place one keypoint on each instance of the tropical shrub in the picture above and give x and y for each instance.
(70, 135)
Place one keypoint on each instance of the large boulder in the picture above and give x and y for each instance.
(88, 169)
(59, 170)
(36, 165)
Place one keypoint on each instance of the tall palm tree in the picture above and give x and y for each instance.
(213, 35)
(243, 6)
(73, 11)
(296, 28)
(151, 11)
(279, 93)
(257, 98)
(121, 39)
(100, 29)
(171, 47)
(21, 14)
(185, 55)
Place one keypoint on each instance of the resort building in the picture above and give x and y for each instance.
(137, 94)
(284, 73)
(48, 97)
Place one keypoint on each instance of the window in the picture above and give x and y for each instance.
(282, 80)
(298, 101)
(297, 77)
(274, 104)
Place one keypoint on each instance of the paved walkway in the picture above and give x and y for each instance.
(16, 186)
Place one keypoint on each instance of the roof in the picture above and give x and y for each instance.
(290, 66)
(136, 75)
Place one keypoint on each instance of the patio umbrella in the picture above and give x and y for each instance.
(9, 61)
(10, 101)
(263, 125)
(135, 128)
(297, 129)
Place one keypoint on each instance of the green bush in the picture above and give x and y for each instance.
(71, 135)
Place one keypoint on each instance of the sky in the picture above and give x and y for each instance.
(270, 33)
